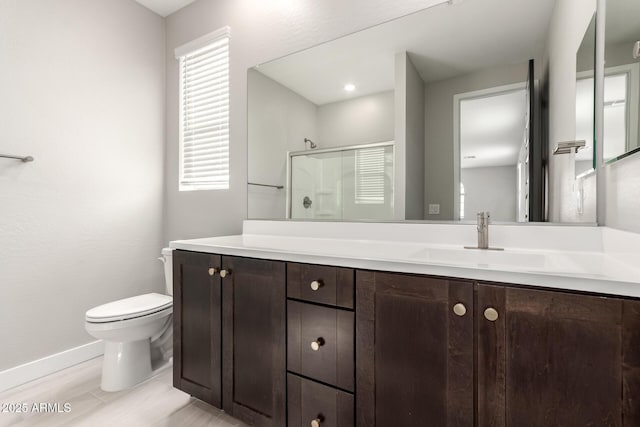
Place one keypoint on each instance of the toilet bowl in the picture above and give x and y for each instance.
(137, 334)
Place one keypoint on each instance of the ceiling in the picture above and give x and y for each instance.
(492, 129)
(164, 7)
(623, 18)
(443, 41)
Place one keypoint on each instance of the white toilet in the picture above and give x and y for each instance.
(137, 334)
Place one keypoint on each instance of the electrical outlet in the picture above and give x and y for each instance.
(434, 209)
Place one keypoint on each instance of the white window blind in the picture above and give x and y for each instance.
(204, 112)
(370, 175)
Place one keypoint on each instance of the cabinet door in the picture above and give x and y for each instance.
(254, 331)
(197, 326)
(549, 358)
(414, 355)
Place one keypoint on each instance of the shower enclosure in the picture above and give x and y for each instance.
(354, 182)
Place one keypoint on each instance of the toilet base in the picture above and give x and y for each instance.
(125, 364)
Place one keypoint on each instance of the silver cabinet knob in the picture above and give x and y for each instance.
(459, 309)
(315, 345)
(224, 273)
(315, 285)
(316, 422)
(491, 314)
(212, 271)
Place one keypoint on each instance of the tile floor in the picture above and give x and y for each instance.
(152, 403)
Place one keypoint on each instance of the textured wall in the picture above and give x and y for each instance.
(82, 84)
(623, 194)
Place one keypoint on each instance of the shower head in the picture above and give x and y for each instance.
(312, 145)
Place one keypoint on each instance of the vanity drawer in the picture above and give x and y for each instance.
(321, 284)
(309, 401)
(320, 343)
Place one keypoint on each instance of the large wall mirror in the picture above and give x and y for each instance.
(622, 79)
(437, 115)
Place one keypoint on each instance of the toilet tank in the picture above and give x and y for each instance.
(167, 260)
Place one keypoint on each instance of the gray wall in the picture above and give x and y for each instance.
(409, 137)
(414, 143)
(82, 87)
(279, 121)
(361, 120)
(260, 31)
(439, 149)
(493, 189)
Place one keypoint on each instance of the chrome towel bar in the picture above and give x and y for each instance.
(279, 187)
(24, 159)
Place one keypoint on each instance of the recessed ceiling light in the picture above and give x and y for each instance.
(349, 87)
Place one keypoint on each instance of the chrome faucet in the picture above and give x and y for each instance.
(484, 218)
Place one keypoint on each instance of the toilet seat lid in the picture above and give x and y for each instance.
(129, 308)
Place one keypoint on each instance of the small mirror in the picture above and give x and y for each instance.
(585, 101)
(622, 79)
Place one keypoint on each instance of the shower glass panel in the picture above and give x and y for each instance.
(343, 183)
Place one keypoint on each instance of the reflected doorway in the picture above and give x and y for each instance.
(492, 132)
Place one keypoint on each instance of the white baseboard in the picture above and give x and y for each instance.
(21, 374)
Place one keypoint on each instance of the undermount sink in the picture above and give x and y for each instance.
(482, 257)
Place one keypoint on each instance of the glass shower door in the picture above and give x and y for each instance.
(316, 182)
(343, 183)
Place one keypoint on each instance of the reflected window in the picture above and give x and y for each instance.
(615, 115)
(369, 175)
(618, 128)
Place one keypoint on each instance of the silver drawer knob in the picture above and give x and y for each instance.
(491, 314)
(316, 422)
(315, 285)
(212, 271)
(315, 345)
(225, 273)
(459, 309)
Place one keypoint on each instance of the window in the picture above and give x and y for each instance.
(370, 175)
(204, 112)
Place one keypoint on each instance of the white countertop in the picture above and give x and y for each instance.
(589, 259)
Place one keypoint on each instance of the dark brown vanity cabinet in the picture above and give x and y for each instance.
(318, 405)
(229, 334)
(522, 358)
(278, 344)
(551, 358)
(254, 341)
(320, 346)
(197, 325)
(414, 350)
(320, 343)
